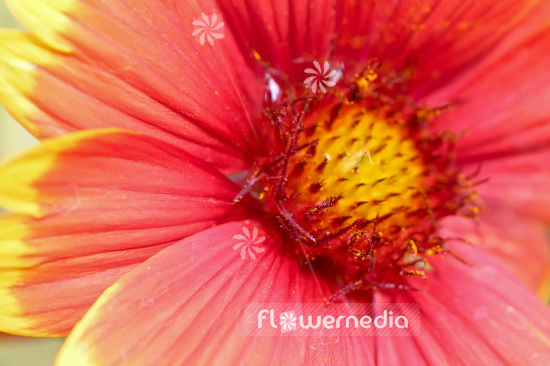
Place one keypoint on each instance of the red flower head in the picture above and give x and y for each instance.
(355, 158)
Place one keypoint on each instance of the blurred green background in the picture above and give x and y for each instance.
(20, 351)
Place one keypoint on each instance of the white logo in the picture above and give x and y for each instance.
(206, 29)
(321, 77)
(287, 321)
(328, 320)
(249, 243)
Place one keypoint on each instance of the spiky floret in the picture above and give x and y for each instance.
(358, 181)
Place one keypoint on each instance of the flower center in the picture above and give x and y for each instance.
(358, 182)
(361, 167)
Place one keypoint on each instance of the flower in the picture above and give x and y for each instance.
(250, 244)
(420, 177)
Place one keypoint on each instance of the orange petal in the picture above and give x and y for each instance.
(518, 243)
(103, 202)
(134, 67)
(433, 39)
(184, 307)
(518, 182)
(502, 106)
(476, 313)
(481, 314)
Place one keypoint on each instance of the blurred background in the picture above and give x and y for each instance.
(20, 351)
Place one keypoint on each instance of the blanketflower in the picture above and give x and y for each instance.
(181, 180)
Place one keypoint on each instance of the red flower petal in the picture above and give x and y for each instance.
(456, 36)
(440, 38)
(533, 25)
(471, 314)
(136, 67)
(518, 183)
(184, 307)
(190, 313)
(480, 314)
(288, 36)
(503, 105)
(105, 201)
(517, 243)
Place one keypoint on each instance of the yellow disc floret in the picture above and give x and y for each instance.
(359, 181)
(367, 165)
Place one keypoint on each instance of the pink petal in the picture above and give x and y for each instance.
(503, 106)
(105, 201)
(517, 243)
(199, 289)
(520, 183)
(141, 70)
(443, 36)
(481, 314)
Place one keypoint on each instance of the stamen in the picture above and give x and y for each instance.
(356, 179)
